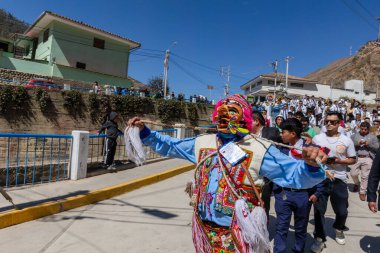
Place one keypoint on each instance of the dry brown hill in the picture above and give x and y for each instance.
(9, 24)
(365, 65)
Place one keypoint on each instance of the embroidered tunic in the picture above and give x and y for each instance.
(273, 164)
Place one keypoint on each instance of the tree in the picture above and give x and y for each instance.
(156, 85)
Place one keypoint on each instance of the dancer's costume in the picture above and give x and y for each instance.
(227, 216)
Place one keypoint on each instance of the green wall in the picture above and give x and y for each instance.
(71, 45)
(45, 69)
(87, 76)
(43, 50)
(25, 66)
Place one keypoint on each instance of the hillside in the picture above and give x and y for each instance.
(9, 24)
(365, 65)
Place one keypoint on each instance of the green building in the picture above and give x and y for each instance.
(60, 47)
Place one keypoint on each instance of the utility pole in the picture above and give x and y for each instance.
(166, 68)
(227, 86)
(275, 64)
(287, 59)
(210, 88)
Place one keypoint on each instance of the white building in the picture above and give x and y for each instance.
(262, 85)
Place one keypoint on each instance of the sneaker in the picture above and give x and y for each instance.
(317, 246)
(339, 237)
(356, 188)
(111, 168)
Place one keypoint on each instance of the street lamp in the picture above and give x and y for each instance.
(166, 67)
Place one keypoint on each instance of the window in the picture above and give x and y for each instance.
(3, 47)
(296, 85)
(259, 83)
(81, 65)
(270, 82)
(46, 35)
(99, 43)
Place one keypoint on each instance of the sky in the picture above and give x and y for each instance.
(204, 36)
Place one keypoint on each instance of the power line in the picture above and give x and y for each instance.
(206, 67)
(115, 50)
(147, 54)
(196, 63)
(144, 59)
(359, 14)
(365, 9)
(188, 72)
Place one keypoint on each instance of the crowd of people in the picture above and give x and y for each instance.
(344, 130)
(314, 110)
(145, 92)
(351, 135)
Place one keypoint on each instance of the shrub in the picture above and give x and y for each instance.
(43, 99)
(170, 110)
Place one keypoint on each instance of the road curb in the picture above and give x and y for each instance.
(14, 217)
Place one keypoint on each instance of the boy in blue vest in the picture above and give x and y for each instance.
(288, 200)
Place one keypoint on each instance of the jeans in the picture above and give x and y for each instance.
(338, 193)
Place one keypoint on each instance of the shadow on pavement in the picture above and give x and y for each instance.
(37, 202)
(154, 212)
(370, 244)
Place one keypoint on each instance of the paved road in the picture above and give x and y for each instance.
(155, 219)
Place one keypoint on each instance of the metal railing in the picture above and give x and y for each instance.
(28, 159)
(33, 158)
(96, 151)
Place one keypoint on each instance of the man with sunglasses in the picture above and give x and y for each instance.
(342, 153)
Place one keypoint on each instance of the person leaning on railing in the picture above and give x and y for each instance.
(112, 131)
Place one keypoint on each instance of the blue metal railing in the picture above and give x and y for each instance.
(33, 158)
(96, 152)
(27, 159)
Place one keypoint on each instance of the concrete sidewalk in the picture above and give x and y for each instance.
(46, 199)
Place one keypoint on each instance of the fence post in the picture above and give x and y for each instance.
(78, 166)
(180, 131)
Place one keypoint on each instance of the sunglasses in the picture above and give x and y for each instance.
(332, 122)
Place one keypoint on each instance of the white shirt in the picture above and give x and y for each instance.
(317, 110)
(366, 114)
(284, 113)
(355, 125)
(340, 147)
(297, 145)
(302, 108)
(312, 121)
(334, 108)
(356, 111)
